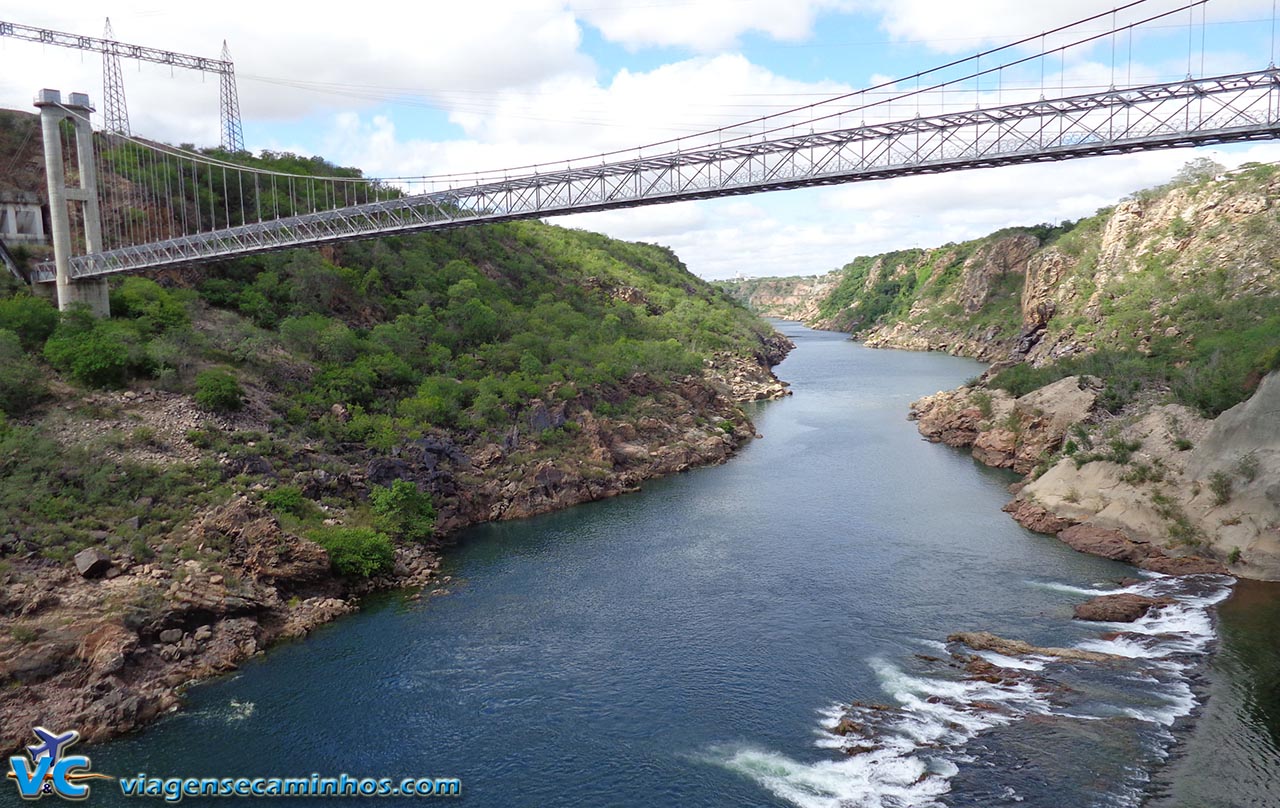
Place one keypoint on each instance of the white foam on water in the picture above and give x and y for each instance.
(936, 645)
(881, 779)
(1057, 586)
(1030, 663)
(912, 750)
(906, 755)
(239, 711)
(1175, 700)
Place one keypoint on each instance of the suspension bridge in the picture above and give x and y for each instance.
(172, 207)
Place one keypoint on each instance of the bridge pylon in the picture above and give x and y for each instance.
(91, 292)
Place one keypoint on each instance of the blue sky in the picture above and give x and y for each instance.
(431, 88)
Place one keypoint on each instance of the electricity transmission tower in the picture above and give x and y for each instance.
(112, 51)
(114, 110)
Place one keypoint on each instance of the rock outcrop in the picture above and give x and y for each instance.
(1124, 607)
(786, 298)
(1002, 431)
(81, 662)
(1187, 487)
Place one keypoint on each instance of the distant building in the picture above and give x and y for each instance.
(21, 219)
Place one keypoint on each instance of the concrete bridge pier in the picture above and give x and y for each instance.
(71, 291)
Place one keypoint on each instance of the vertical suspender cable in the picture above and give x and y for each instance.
(168, 199)
(213, 203)
(1203, 25)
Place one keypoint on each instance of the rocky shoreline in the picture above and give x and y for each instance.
(1163, 489)
(107, 644)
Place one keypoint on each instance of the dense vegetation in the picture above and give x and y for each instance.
(355, 349)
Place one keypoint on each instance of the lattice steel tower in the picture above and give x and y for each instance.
(232, 134)
(114, 110)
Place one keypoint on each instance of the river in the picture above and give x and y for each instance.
(691, 645)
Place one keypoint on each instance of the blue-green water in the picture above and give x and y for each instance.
(686, 646)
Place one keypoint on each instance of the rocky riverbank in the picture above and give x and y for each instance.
(108, 642)
(1161, 488)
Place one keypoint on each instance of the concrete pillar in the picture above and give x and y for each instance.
(89, 291)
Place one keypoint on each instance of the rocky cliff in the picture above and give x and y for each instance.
(786, 298)
(1148, 275)
(1132, 351)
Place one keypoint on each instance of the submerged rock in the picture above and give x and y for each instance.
(986, 641)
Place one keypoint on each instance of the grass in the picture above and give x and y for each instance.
(1118, 451)
(23, 634)
(1248, 467)
(1181, 529)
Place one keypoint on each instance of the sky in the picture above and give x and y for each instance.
(435, 88)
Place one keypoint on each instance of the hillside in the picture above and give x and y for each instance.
(1130, 349)
(1178, 280)
(242, 450)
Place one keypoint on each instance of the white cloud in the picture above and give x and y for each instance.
(709, 25)
(363, 55)
(572, 117)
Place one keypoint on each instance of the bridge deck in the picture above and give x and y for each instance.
(1237, 107)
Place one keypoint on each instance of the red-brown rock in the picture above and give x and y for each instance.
(1183, 565)
(1036, 517)
(1105, 542)
(996, 448)
(1124, 607)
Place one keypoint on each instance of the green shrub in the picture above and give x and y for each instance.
(403, 511)
(23, 634)
(1142, 473)
(287, 499)
(21, 383)
(1234, 556)
(1220, 485)
(97, 353)
(218, 391)
(1021, 379)
(982, 400)
(153, 306)
(356, 551)
(32, 318)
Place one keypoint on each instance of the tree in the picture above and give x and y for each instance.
(1194, 172)
(32, 318)
(403, 511)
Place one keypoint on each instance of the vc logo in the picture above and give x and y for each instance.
(51, 770)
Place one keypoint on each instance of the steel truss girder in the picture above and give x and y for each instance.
(1244, 106)
(113, 48)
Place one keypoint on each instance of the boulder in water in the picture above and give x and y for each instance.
(1124, 607)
